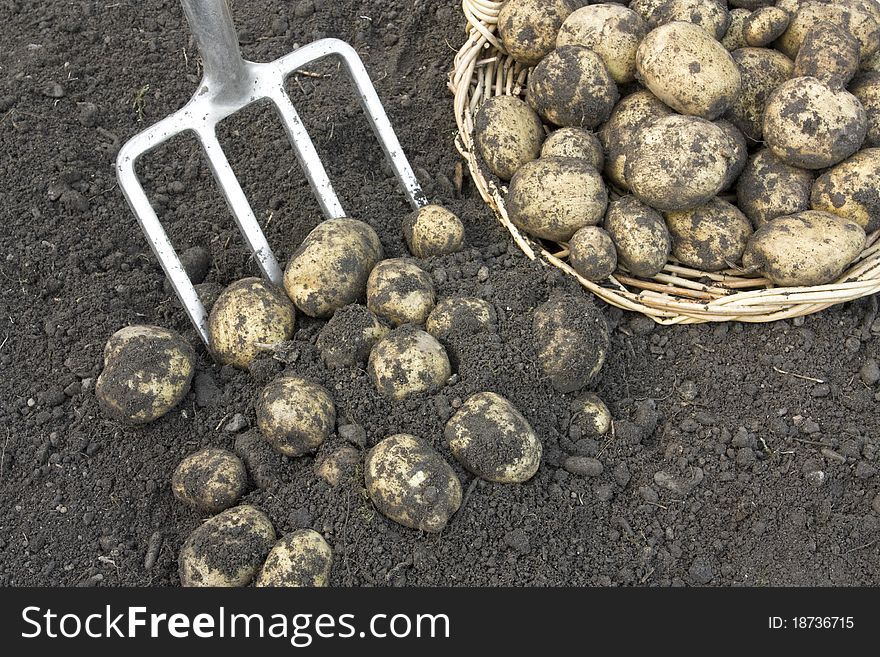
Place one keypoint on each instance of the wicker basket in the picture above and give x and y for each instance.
(678, 295)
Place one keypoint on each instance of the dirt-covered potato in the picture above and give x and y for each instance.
(639, 234)
(593, 255)
(830, 54)
(401, 292)
(710, 15)
(678, 162)
(590, 415)
(575, 142)
(433, 231)
(808, 248)
(763, 70)
(553, 197)
(339, 464)
(295, 415)
(411, 484)
(711, 237)
(147, 372)
(571, 340)
(612, 31)
(210, 480)
(770, 188)
(508, 133)
(329, 270)
(852, 190)
(492, 439)
(855, 17)
(648, 9)
(346, 340)
(688, 70)
(572, 87)
(461, 314)
(735, 37)
(866, 87)
(227, 550)
(408, 361)
(765, 25)
(740, 149)
(528, 28)
(300, 559)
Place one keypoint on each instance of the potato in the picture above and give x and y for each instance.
(809, 125)
(147, 372)
(688, 70)
(493, 440)
(640, 236)
(295, 415)
(590, 415)
(852, 190)
(805, 249)
(461, 315)
(648, 9)
(613, 32)
(854, 17)
(711, 237)
(678, 162)
(571, 340)
(400, 292)
(248, 313)
(408, 361)
(433, 231)
(333, 468)
(211, 480)
(346, 340)
(228, 549)
(764, 26)
(830, 54)
(571, 87)
(528, 28)
(708, 14)
(551, 198)
(735, 37)
(770, 188)
(329, 270)
(592, 253)
(300, 559)
(508, 133)
(740, 150)
(866, 88)
(411, 484)
(575, 142)
(763, 70)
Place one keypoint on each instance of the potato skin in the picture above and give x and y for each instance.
(461, 314)
(866, 87)
(346, 340)
(640, 235)
(401, 292)
(770, 188)
(707, 14)
(528, 28)
(211, 480)
(762, 70)
(295, 415)
(740, 149)
(710, 238)
(764, 26)
(147, 372)
(433, 231)
(508, 133)
(408, 361)
(805, 249)
(575, 142)
(337, 465)
(852, 190)
(590, 415)
(857, 18)
(593, 255)
(735, 38)
(830, 54)
(301, 559)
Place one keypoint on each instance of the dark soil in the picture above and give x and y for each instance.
(730, 462)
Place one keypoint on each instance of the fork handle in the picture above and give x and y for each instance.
(217, 40)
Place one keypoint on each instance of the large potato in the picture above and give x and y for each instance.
(295, 415)
(300, 559)
(592, 253)
(433, 231)
(764, 26)
(508, 133)
(735, 37)
(711, 237)
(707, 14)
(346, 340)
(855, 17)
(329, 270)
(492, 439)
(770, 188)
(866, 87)
(763, 70)
(461, 315)
(640, 235)
(401, 292)
(805, 249)
(528, 28)
(411, 484)
(408, 361)
(147, 372)
(575, 142)
(852, 190)
(210, 480)
(830, 54)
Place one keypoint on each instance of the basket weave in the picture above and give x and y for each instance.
(678, 295)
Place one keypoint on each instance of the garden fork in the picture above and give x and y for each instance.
(229, 84)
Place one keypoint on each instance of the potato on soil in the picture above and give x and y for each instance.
(346, 340)
(770, 188)
(858, 18)
(710, 15)
(492, 439)
(763, 70)
(411, 484)
(577, 143)
(735, 37)
(640, 236)
(866, 87)
(433, 231)
(461, 315)
(528, 28)
(401, 292)
(740, 149)
(408, 361)
(572, 87)
(571, 340)
(852, 190)
(593, 255)
(508, 133)
(210, 480)
(300, 559)
(711, 237)
(830, 54)
(688, 70)
(590, 415)
(147, 372)
(295, 415)
(228, 549)
(338, 465)
(764, 26)
(805, 249)
(329, 270)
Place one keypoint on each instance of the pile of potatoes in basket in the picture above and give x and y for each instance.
(736, 135)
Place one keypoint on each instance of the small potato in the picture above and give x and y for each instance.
(228, 549)
(571, 340)
(592, 253)
(852, 190)
(461, 315)
(830, 54)
(406, 362)
(688, 70)
(640, 235)
(763, 70)
(411, 484)
(528, 28)
(551, 198)
(735, 37)
(575, 142)
(300, 559)
(707, 14)
(492, 439)
(857, 18)
(211, 480)
(866, 87)
(711, 237)
(295, 415)
(399, 291)
(147, 372)
(740, 149)
(572, 87)
(433, 231)
(338, 465)
(346, 340)
(508, 133)
(764, 26)
(329, 270)
(770, 188)
(805, 249)
(590, 415)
